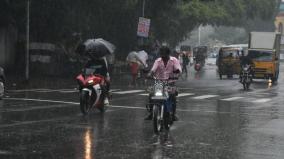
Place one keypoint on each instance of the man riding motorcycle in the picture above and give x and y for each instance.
(245, 60)
(164, 68)
(101, 68)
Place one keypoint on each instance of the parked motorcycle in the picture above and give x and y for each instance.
(161, 97)
(90, 90)
(246, 76)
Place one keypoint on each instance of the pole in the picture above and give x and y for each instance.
(143, 9)
(199, 35)
(28, 41)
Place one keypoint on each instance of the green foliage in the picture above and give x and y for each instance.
(65, 22)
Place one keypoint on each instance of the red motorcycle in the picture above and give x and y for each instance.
(90, 90)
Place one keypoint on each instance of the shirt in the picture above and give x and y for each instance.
(165, 72)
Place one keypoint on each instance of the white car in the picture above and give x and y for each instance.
(2, 82)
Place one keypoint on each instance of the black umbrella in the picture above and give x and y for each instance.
(96, 48)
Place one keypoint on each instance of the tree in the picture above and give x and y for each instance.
(116, 20)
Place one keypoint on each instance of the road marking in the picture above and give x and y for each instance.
(233, 98)
(114, 90)
(179, 95)
(144, 94)
(74, 91)
(116, 106)
(205, 96)
(60, 105)
(264, 100)
(27, 90)
(113, 106)
(41, 100)
(42, 90)
(185, 94)
(128, 92)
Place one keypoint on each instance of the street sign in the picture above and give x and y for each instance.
(143, 27)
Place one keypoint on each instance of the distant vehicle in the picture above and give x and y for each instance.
(213, 55)
(2, 83)
(199, 55)
(264, 50)
(228, 61)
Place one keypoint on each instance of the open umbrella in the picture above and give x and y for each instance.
(96, 48)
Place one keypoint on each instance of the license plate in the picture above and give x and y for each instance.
(159, 98)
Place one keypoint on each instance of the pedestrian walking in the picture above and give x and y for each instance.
(133, 63)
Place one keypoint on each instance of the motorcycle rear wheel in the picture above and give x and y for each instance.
(84, 103)
(157, 121)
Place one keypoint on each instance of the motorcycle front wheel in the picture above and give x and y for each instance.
(167, 120)
(157, 120)
(84, 102)
(246, 85)
(2, 89)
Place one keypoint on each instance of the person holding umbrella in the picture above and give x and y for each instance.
(96, 50)
(133, 62)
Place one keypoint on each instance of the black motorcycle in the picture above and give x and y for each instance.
(161, 97)
(246, 76)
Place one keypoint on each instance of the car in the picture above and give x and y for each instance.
(2, 82)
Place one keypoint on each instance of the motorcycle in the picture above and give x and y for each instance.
(90, 90)
(161, 97)
(197, 66)
(246, 76)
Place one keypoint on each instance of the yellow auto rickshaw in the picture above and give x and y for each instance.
(228, 61)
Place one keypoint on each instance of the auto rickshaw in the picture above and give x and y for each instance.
(228, 61)
(199, 54)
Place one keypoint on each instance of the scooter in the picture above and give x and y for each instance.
(90, 91)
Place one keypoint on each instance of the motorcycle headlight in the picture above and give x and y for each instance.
(158, 89)
(158, 93)
(90, 81)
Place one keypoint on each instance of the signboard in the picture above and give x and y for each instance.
(143, 27)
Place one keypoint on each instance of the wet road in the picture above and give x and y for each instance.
(217, 120)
